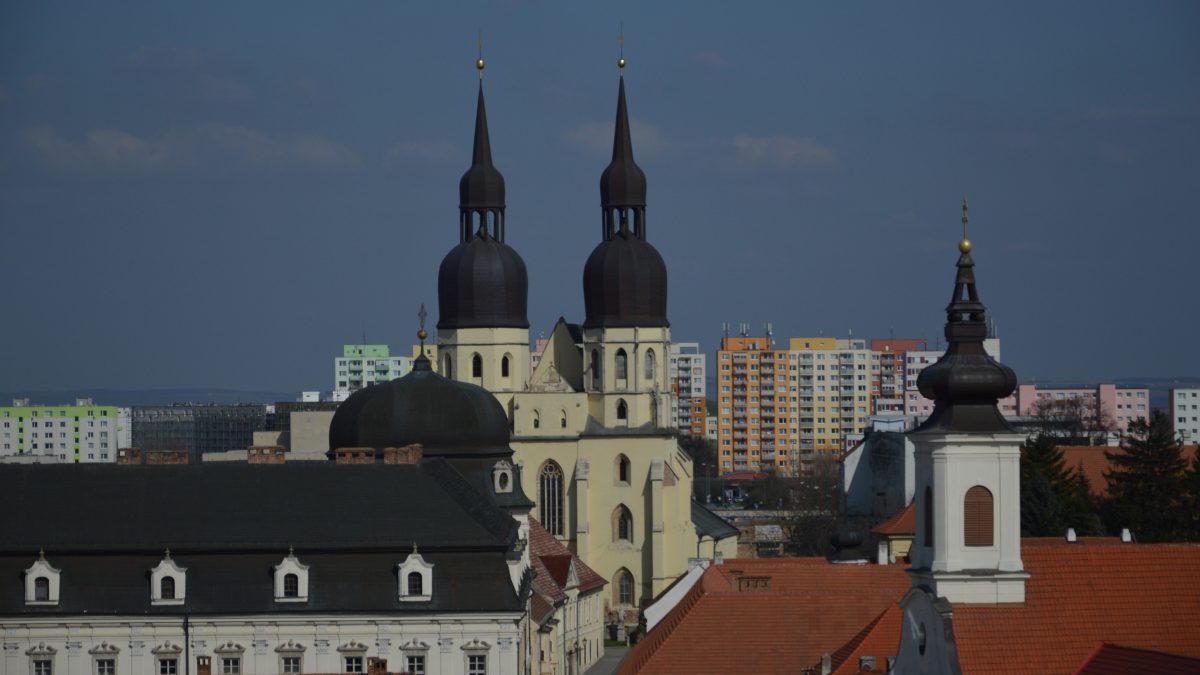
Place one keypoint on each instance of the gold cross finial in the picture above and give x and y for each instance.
(965, 244)
(621, 44)
(479, 61)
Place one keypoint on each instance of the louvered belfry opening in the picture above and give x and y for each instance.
(977, 516)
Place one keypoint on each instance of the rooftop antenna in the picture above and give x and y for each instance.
(725, 328)
(770, 334)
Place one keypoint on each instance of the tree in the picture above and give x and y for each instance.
(1191, 488)
(1146, 483)
(1053, 497)
(1071, 420)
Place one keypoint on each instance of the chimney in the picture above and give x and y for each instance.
(1126, 536)
(866, 663)
(165, 457)
(1071, 538)
(354, 455)
(129, 456)
(409, 454)
(265, 454)
(203, 665)
(719, 559)
(826, 664)
(881, 553)
(376, 666)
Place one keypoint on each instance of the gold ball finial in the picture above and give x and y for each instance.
(421, 334)
(479, 65)
(965, 246)
(621, 63)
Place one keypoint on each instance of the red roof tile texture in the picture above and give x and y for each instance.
(1110, 659)
(901, 524)
(1094, 462)
(809, 607)
(880, 639)
(1143, 596)
(552, 561)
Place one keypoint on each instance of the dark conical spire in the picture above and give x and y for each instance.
(966, 383)
(623, 185)
(481, 190)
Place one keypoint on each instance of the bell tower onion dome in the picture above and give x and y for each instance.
(482, 282)
(625, 278)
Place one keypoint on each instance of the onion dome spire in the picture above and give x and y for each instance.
(482, 282)
(625, 278)
(966, 383)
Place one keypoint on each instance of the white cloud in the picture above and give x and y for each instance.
(206, 144)
(596, 138)
(782, 151)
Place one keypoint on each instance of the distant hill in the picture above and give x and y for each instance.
(132, 397)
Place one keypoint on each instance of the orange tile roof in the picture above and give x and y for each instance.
(901, 524)
(1095, 464)
(1139, 595)
(551, 563)
(1110, 659)
(811, 607)
(881, 639)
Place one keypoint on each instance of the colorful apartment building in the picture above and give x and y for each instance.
(363, 365)
(755, 428)
(688, 388)
(887, 373)
(1111, 406)
(834, 393)
(1185, 414)
(79, 433)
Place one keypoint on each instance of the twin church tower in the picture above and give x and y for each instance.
(590, 427)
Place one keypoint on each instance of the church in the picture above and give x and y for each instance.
(589, 423)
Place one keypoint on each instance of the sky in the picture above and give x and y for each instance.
(221, 194)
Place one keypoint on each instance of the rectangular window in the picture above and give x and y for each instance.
(43, 667)
(291, 665)
(231, 665)
(354, 664)
(106, 666)
(168, 666)
(416, 664)
(477, 664)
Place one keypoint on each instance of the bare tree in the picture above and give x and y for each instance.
(1072, 420)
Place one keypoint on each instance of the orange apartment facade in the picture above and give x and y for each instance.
(887, 372)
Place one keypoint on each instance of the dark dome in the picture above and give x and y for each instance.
(448, 418)
(625, 284)
(482, 283)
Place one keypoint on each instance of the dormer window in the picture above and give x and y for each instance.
(291, 579)
(168, 582)
(41, 583)
(416, 578)
(502, 477)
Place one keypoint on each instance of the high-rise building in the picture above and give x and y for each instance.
(688, 372)
(78, 433)
(1185, 414)
(755, 429)
(363, 365)
(916, 406)
(834, 393)
(1104, 406)
(888, 361)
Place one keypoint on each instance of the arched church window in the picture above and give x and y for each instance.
(504, 367)
(550, 498)
(622, 365)
(978, 516)
(623, 588)
(622, 524)
(562, 421)
(649, 365)
(596, 381)
(622, 410)
(623, 470)
(537, 420)
(928, 516)
(415, 584)
(477, 366)
(41, 589)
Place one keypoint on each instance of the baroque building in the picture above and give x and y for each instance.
(590, 423)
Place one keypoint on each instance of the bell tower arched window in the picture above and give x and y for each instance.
(622, 410)
(597, 381)
(505, 367)
(622, 523)
(477, 366)
(978, 517)
(621, 365)
(623, 588)
(649, 365)
(550, 498)
(623, 470)
(446, 369)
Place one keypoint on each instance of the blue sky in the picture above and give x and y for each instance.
(220, 194)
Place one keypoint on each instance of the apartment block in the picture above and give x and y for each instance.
(835, 397)
(755, 429)
(888, 364)
(80, 433)
(916, 406)
(1185, 414)
(1113, 406)
(363, 365)
(688, 388)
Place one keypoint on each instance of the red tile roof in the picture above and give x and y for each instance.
(809, 608)
(881, 639)
(1138, 595)
(901, 524)
(1110, 659)
(1095, 464)
(552, 562)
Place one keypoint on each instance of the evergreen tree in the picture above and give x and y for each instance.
(1039, 508)
(1191, 488)
(1053, 497)
(1146, 483)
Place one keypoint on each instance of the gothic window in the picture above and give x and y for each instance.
(928, 516)
(622, 410)
(623, 588)
(446, 367)
(537, 420)
(622, 524)
(597, 382)
(562, 421)
(41, 589)
(622, 365)
(649, 365)
(977, 517)
(623, 470)
(167, 588)
(477, 366)
(550, 498)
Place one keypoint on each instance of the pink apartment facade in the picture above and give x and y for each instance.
(1117, 405)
